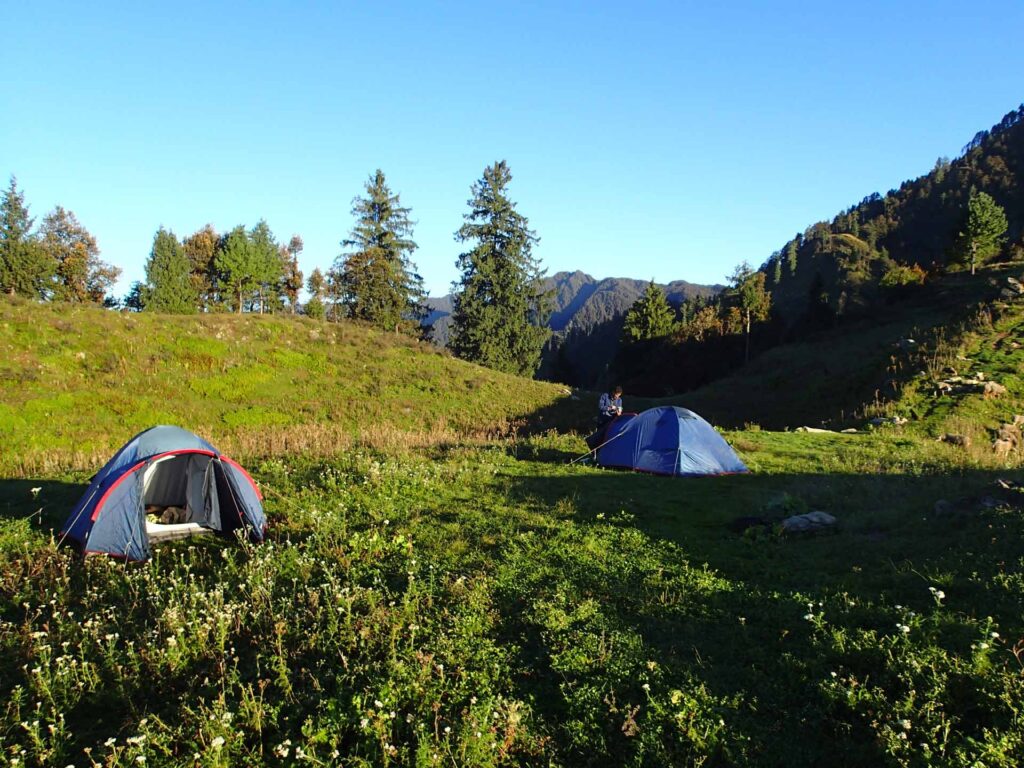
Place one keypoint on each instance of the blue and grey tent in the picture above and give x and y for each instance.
(163, 467)
(667, 441)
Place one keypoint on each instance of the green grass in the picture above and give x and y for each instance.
(475, 600)
(830, 377)
(546, 614)
(76, 382)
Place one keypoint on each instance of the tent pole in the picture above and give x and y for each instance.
(595, 450)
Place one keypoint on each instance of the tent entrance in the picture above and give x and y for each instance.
(179, 496)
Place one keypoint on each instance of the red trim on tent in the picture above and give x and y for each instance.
(248, 477)
(136, 468)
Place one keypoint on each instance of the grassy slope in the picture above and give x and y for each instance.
(829, 378)
(545, 613)
(76, 382)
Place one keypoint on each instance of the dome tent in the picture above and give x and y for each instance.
(668, 441)
(163, 466)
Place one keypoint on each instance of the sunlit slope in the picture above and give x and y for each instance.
(76, 382)
(844, 376)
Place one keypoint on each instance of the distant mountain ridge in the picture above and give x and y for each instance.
(586, 319)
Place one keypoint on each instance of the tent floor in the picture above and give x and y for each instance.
(158, 532)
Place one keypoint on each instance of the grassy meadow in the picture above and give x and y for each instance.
(442, 589)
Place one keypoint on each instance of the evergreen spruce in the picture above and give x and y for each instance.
(792, 253)
(748, 294)
(983, 236)
(498, 315)
(267, 265)
(169, 285)
(25, 267)
(238, 264)
(650, 317)
(376, 278)
(291, 282)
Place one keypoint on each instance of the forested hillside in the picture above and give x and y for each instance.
(867, 265)
(586, 316)
(839, 268)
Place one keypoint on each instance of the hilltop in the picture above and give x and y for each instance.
(76, 381)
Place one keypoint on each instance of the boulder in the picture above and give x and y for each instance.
(993, 390)
(1002, 447)
(964, 441)
(810, 521)
(880, 420)
(1009, 432)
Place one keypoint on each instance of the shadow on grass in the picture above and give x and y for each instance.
(692, 602)
(46, 502)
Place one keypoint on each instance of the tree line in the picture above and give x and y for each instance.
(499, 312)
(56, 261)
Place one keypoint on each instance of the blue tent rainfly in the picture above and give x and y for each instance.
(163, 467)
(668, 441)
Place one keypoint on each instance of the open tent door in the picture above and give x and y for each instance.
(240, 504)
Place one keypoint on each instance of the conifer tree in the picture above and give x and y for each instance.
(237, 263)
(25, 268)
(168, 277)
(376, 278)
(80, 275)
(499, 306)
(750, 297)
(291, 283)
(650, 317)
(268, 269)
(983, 235)
(792, 253)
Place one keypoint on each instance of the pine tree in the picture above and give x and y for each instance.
(268, 269)
(80, 275)
(748, 294)
(983, 235)
(168, 277)
(237, 262)
(25, 268)
(291, 284)
(498, 315)
(792, 253)
(650, 317)
(377, 279)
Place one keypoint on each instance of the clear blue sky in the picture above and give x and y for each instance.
(666, 140)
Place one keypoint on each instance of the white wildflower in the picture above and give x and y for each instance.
(217, 743)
